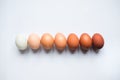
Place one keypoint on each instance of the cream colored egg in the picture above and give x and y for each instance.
(21, 42)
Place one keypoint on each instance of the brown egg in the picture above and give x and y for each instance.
(98, 41)
(85, 41)
(60, 41)
(34, 41)
(73, 41)
(47, 41)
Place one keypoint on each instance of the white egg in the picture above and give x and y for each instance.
(21, 42)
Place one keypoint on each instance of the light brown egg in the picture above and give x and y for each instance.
(98, 41)
(73, 41)
(47, 41)
(85, 41)
(34, 41)
(60, 41)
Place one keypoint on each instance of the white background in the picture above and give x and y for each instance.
(65, 16)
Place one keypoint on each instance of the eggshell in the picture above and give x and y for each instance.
(73, 41)
(60, 41)
(34, 41)
(21, 42)
(98, 41)
(47, 41)
(85, 41)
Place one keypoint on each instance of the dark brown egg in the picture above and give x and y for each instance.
(98, 41)
(73, 41)
(85, 41)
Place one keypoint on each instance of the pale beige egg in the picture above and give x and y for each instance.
(34, 41)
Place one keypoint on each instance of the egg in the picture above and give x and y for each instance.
(85, 41)
(60, 41)
(34, 41)
(73, 41)
(47, 41)
(21, 42)
(98, 41)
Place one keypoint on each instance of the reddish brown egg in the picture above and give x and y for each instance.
(34, 41)
(73, 41)
(47, 41)
(85, 41)
(98, 41)
(60, 41)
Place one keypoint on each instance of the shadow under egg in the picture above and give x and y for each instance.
(24, 51)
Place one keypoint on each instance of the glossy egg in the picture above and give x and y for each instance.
(73, 41)
(60, 41)
(34, 41)
(98, 41)
(47, 41)
(85, 41)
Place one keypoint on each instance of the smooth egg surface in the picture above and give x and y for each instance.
(47, 41)
(21, 42)
(60, 41)
(98, 41)
(73, 41)
(85, 41)
(34, 41)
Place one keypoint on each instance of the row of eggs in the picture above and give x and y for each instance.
(60, 41)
